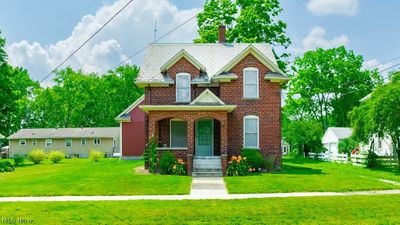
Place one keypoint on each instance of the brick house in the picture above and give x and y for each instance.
(210, 100)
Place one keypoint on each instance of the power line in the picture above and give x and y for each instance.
(383, 63)
(84, 43)
(148, 45)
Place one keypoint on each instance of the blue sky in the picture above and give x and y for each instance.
(41, 33)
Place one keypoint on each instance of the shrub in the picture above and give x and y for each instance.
(6, 166)
(167, 163)
(269, 163)
(56, 156)
(19, 160)
(253, 158)
(37, 156)
(150, 155)
(96, 155)
(238, 166)
(371, 161)
(179, 167)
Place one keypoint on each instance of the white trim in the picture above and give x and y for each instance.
(34, 142)
(85, 141)
(129, 109)
(94, 143)
(147, 108)
(170, 133)
(244, 83)
(182, 54)
(50, 141)
(120, 141)
(22, 140)
(258, 131)
(66, 142)
(176, 87)
(207, 92)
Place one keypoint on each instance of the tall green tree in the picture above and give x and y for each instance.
(379, 114)
(247, 21)
(327, 84)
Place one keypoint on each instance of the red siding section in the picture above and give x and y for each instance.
(133, 134)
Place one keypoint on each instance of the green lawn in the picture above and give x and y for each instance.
(300, 175)
(305, 210)
(83, 177)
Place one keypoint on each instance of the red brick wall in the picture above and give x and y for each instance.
(268, 109)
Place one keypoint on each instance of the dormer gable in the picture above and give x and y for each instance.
(182, 54)
(207, 97)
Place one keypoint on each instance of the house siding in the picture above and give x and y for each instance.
(133, 134)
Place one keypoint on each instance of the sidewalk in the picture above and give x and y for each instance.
(203, 196)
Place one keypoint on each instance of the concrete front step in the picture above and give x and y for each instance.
(207, 170)
(207, 166)
(207, 174)
(208, 157)
(207, 161)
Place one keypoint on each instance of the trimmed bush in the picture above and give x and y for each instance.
(6, 166)
(56, 156)
(96, 155)
(37, 156)
(19, 160)
(167, 163)
(253, 158)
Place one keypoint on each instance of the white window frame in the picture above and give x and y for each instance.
(20, 142)
(66, 142)
(258, 131)
(244, 83)
(170, 133)
(47, 141)
(94, 141)
(176, 88)
(34, 142)
(82, 142)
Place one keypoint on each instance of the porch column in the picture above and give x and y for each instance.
(190, 144)
(224, 144)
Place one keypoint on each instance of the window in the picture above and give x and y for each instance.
(250, 130)
(22, 142)
(250, 83)
(178, 134)
(49, 143)
(96, 141)
(182, 87)
(379, 143)
(68, 142)
(34, 142)
(83, 142)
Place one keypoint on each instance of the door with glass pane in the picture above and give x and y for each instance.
(204, 137)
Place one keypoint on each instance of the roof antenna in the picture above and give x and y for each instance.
(155, 30)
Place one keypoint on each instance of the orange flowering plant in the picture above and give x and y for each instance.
(179, 167)
(238, 166)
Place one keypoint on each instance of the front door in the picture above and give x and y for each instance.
(204, 137)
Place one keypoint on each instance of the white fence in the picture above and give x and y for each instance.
(356, 160)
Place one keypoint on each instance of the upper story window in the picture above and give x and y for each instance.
(250, 83)
(48, 143)
(183, 87)
(22, 142)
(251, 132)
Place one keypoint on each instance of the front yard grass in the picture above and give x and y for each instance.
(305, 175)
(83, 177)
(305, 210)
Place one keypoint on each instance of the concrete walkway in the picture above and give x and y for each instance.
(193, 197)
(208, 186)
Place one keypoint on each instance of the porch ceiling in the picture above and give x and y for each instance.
(227, 108)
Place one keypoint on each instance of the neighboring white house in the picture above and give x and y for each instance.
(332, 136)
(382, 147)
(285, 147)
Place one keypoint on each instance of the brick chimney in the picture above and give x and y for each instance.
(221, 34)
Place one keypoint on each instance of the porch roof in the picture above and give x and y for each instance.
(148, 108)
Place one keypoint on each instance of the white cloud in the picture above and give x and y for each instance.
(130, 31)
(384, 67)
(316, 39)
(333, 7)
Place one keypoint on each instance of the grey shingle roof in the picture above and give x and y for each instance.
(37, 133)
(213, 56)
(341, 132)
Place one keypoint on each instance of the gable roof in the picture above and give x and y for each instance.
(124, 116)
(92, 132)
(182, 54)
(341, 132)
(215, 58)
(207, 98)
